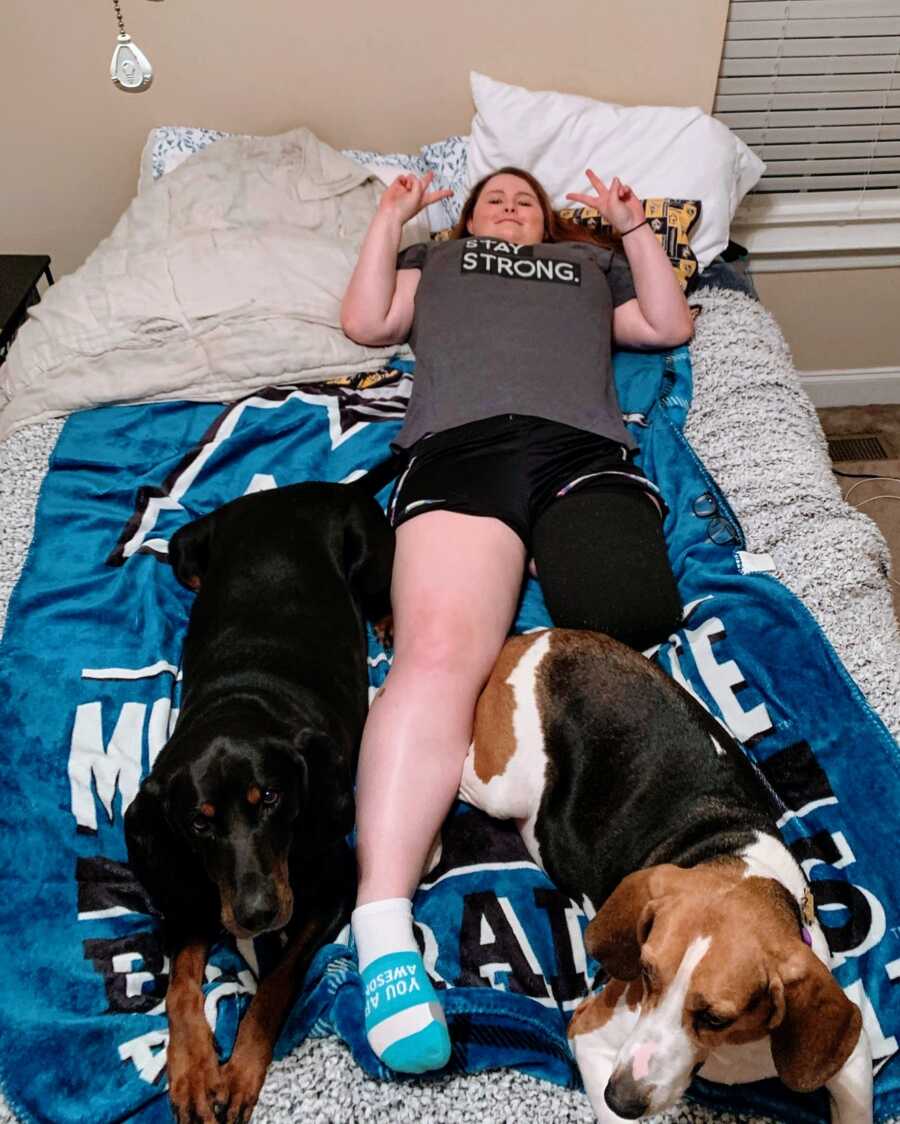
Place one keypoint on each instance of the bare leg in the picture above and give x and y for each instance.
(455, 588)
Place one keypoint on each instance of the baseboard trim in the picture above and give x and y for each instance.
(863, 386)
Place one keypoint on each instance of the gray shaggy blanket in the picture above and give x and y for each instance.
(757, 432)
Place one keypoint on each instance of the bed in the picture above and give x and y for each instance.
(789, 637)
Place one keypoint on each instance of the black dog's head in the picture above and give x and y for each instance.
(226, 826)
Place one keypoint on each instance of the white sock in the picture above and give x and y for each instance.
(383, 927)
(405, 1022)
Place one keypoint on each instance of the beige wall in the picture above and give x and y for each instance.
(390, 75)
(838, 319)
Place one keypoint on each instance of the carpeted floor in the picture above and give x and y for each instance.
(877, 498)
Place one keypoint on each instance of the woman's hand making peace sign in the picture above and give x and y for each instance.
(617, 203)
(409, 194)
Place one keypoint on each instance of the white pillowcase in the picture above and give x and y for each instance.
(660, 151)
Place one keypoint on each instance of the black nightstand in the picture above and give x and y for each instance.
(19, 276)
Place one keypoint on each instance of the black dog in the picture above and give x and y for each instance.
(242, 820)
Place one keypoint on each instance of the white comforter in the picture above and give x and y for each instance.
(224, 276)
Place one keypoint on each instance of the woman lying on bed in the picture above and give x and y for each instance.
(517, 449)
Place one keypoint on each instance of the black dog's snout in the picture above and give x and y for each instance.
(257, 905)
(257, 919)
(625, 1098)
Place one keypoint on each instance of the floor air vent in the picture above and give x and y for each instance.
(857, 447)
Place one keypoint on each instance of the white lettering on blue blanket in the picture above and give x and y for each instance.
(494, 946)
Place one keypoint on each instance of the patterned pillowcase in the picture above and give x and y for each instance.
(446, 159)
(449, 160)
(396, 159)
(671, 220)
(170, 145)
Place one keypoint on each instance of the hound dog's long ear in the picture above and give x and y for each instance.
(819, 1028)
(189, 551)
(162, 862)
(330, 807)
(624, 921)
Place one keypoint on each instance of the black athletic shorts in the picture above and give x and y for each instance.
(511, 467)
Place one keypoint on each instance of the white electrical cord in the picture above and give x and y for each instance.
(872, 499)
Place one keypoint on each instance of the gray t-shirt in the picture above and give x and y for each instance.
(507, 329)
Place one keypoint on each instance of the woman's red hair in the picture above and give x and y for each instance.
(556, 229)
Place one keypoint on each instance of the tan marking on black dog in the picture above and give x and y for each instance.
(254, 794)
(195, 1078)
(384, 631)
(207, 810)
(245, 1071)
(281, 879)
(493, 735)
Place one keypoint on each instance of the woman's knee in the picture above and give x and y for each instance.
(446, 646)
(431, 650)
(602, 563)
(456, 583)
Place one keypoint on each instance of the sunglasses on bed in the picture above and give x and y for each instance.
(719, 529)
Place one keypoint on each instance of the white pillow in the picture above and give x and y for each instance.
(660, 151)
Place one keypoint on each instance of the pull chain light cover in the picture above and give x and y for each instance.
(130, 68)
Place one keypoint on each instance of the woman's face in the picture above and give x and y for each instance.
(508, 209)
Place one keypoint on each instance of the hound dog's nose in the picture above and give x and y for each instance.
(626, 1097)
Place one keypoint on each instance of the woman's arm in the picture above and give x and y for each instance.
(660, 316)
(378, 306)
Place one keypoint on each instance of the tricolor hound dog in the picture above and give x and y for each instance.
(628, 792)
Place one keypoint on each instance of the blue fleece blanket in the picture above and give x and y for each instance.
(89, 682)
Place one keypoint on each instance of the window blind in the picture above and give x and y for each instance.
(813, 87)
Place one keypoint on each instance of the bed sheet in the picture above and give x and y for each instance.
(45, 629)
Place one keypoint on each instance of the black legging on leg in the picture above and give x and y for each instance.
(602, 563)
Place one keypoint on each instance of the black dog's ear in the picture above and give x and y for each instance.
(330, 808)
(163, 862)
(369, 555)
(189, 551)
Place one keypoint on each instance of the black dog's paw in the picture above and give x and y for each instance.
(189, 551)
(384, 630)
